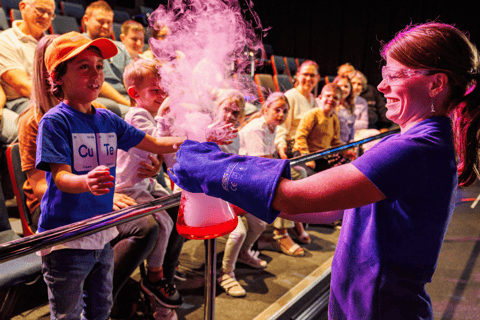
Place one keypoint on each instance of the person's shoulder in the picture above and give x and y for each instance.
(27, 118)
(431, 131)
(135, 113)
(254, 125)
(121, 47)
(361, 100)
(317, 111)
(55, 111)
(7, 37)
(291, 92)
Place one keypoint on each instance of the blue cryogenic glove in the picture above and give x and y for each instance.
(245, 181)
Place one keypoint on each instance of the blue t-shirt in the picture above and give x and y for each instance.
(387, 251)
(83, 141)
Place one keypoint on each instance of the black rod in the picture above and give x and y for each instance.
(27, 245)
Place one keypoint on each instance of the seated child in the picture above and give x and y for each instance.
(77, 147)
(141, 78)
(319, 128)
(256, 139)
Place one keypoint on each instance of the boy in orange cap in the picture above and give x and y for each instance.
(77, 147)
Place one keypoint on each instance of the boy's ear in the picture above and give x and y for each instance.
(132, 92)
(56, 79)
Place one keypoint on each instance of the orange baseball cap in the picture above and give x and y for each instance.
(71, 44)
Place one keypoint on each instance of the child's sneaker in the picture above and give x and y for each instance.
(180, 276)
(164, 293)
(250, 258)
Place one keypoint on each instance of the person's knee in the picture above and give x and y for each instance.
(8, 126)
(147, 228)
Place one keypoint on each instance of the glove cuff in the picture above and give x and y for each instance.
(250, 183)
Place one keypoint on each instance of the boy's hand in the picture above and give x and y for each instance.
(164, 108)
(282, 152)
(148, 170)
(99, 180)
(220, 133)
(121, 201)
(311, 164)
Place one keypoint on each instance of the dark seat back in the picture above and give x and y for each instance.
(265, 85)
(18, 178)
(14, 274)
(3, 20)
(282, 82)
(64, 24)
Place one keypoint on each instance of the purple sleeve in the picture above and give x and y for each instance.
(392, 165)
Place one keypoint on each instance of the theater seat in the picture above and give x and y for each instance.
(18, 273)
(64, 24)
(265, 85)
(282, 82)
(278, 65)
(71, 9)
(18, 178)
(120, 16)
(291, 66)
(3, 20)
(7, 5)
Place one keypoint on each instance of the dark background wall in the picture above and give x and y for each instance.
(335, 32)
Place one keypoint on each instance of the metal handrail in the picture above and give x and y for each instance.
(27, 245)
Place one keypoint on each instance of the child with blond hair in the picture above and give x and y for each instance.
(255, 138)
(141, 79)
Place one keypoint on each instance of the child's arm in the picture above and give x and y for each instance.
(37, 181)
(98, 181)
(161, 144)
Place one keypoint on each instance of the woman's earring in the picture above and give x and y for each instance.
(432, 108)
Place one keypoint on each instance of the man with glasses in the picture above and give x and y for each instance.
(17, 49)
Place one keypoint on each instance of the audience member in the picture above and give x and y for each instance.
(135, 240)
(345, 110)
(160, 33)
(362, 127)
(133, 37)
(18, 48)
(230, 109)
(300, 100)
(141, 78)
(376, 102)
(8, 119)
(8, 134)
(98, 21)
(361, 106)
(320, 128)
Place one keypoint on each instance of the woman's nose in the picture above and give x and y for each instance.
(382, 86)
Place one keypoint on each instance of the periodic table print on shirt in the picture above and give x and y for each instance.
(93, 149)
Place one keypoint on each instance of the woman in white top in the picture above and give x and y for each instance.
(301, 100)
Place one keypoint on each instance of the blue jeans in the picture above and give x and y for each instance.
(79, 283)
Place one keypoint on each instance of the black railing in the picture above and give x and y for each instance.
(27, 245)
